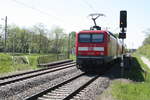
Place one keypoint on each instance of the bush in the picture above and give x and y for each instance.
(144, 50)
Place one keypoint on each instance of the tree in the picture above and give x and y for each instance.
(35, 39)
(1, 39)
(147, 39)
(1, 44)
(41, 38)
(116, 34)
(72, 41)
(58, 41)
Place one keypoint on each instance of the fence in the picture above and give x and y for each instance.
(50, 58)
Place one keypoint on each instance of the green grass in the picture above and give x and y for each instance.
(144, 66)
(73, 57)
(137, 90)
(131, 91)
(47, 58)
(144, 50)
(5, 63)
(8, 66)
(33, 61)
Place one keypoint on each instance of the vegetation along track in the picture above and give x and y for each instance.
(65, 90)
(22, 76)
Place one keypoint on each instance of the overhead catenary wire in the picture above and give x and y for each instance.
(43, 12)
(37, 9)
(89, 5)
(93, 8)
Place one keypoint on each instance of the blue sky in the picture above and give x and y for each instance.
(72, 15)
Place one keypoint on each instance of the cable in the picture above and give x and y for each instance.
(42, 12)
(89, 5)
(36, 9)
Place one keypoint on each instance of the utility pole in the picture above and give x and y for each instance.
(68, 55)
(5, 33)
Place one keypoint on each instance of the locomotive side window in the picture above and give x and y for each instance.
(97, 37)
(84, 38)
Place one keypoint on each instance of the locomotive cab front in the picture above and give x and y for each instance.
(91, 48)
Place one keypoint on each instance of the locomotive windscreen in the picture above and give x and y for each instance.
(91, 38)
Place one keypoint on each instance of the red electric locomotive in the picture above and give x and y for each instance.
(96, 47)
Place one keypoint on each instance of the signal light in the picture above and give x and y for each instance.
(97, 53)
(123, 19)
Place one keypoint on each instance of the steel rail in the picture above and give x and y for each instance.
(69, 96)
(49, 64)
(31, 76)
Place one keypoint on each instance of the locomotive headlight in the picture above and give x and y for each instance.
(97, 53)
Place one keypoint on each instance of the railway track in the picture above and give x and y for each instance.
(65, 90)
(22, 76)
(69, 83)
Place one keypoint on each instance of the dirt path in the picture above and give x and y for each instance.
(146, 61)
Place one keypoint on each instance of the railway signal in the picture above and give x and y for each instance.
(122, 35)
(123, 24)
(123, 19)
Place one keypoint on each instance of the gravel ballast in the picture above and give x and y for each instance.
(95, 88)
(19, 90)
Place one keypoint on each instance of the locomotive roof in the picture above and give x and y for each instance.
(97, 31)
(93, 31)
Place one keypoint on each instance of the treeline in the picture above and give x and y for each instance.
(147, 39)
(145, 48)
(37, 39)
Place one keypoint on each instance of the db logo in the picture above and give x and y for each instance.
(90, 48)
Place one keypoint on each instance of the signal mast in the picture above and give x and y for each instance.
(122, 34)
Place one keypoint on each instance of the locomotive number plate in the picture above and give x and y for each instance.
(90, 48)
(90, 53)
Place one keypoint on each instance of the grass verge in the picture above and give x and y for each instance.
(139, 89)
(73, 57)
(144, 50)
(8, 66)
